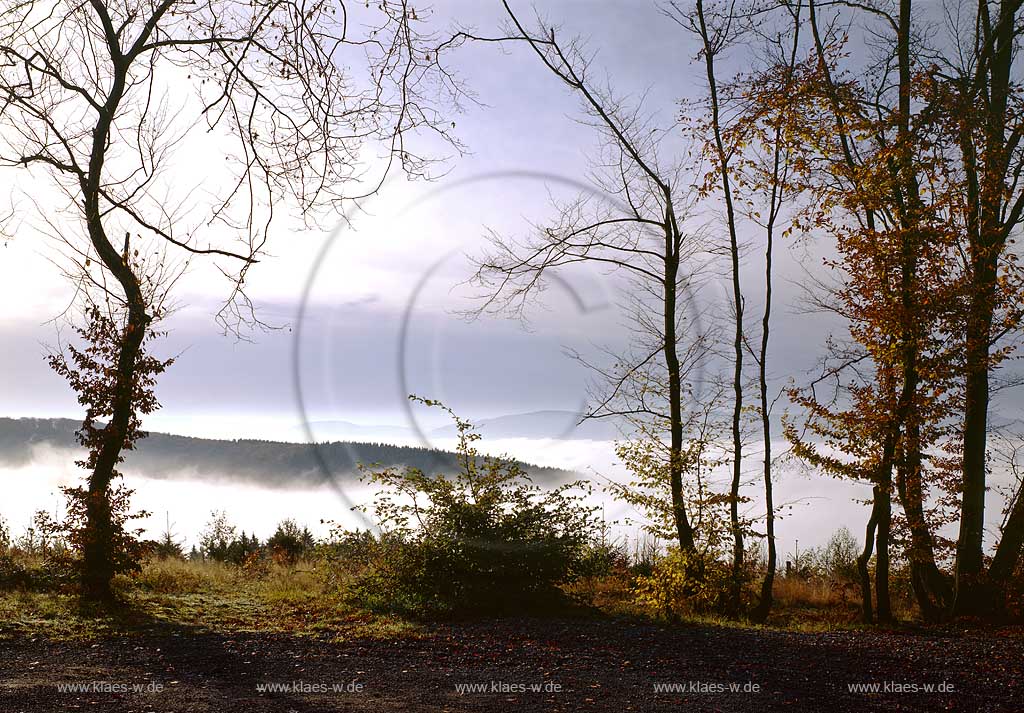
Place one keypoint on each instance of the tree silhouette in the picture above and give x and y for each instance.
(92, 94)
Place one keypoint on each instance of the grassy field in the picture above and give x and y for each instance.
(309, 598)
(213, 635)
(207, 595)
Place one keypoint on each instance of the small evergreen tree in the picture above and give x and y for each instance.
(289, 542)
(217, 536)
(169, 547)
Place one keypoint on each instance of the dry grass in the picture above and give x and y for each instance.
(612, 595)
(267, 596)
(817, 603)
(800, 604)
(814, 603)
(309, 599)
(814, 593)
(173, 576)
(204, 595)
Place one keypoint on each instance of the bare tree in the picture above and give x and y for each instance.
(92, 94)
(765, 170)
(717, 25)
(641, 233)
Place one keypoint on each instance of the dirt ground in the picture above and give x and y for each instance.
(530, 665)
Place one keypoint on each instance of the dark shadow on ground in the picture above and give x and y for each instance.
(574, 663)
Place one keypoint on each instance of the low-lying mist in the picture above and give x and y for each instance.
(182, 480)
(186, 497)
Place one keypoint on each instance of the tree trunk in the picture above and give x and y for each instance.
(97, 548)
(764, 606)
(684, 531)
(866, 607)
(879, 524)
(987, 240)
(932, 589)
(737, 441)
(97, 552)
(971, 590)
(1008, 554)
(883, 497)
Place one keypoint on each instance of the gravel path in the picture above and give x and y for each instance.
(529, 665)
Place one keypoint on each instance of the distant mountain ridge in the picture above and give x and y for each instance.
(549, 424)
(542, 424)
(262, 462)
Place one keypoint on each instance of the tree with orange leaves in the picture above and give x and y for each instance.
(873, 171)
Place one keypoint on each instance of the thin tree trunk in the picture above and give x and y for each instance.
(684, 530)
(765, 603)
(764, 606)
(883, 498)
(737, 294)
(866, 607)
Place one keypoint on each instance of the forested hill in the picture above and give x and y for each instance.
(270, 463)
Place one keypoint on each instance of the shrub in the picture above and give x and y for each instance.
(836, 560)
(601, 558)
(124, 549)
(1015, 594)
(682, 583)
(13, 572)
(355, 548)
(168, 546)
(485, 539)
(38, 560)
(21, 570)
(216, 538)
(219, 542)
(289, 543)
(839, 559)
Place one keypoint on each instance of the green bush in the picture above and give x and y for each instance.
(485, 539)
(839, 559)
(290, 543)
(13, 572)
(836, 560)
(56, 571)
(681, 584)
(220, 543)
(601, 558)
(41, 559)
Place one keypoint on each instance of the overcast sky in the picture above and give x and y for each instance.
(361, 281)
